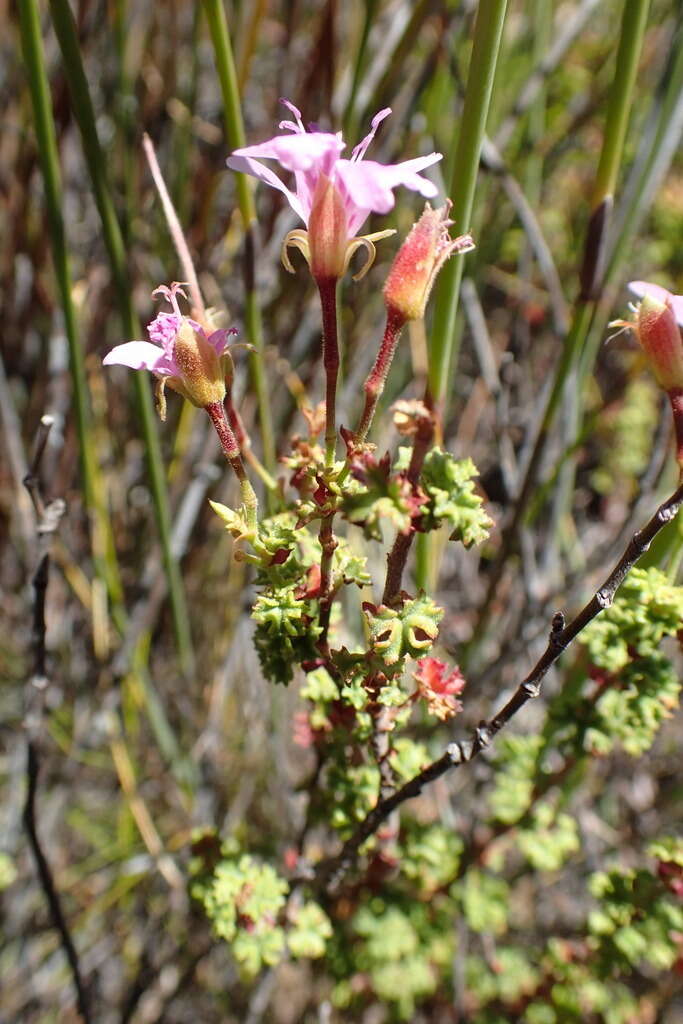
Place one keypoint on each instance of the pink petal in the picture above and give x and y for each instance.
(163, 329)
(246, 165)
(300, 152)
(369, 185)
(642, 288)
(677, 307)
(221, 339)
(137, 355)
(406, 174)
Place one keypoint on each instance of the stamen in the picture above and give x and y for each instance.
(352, 248)
(623, 325)
(360, 150)
(461, 244)
(297, 239)
(170, 294)
(297, 127)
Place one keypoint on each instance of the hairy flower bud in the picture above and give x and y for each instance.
(660, 337)
(327, 232)
(203, 380)
(418, 262)
(658, 325)
(180, 354)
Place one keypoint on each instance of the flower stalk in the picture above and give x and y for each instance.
(377, 378)
(328, 289)
(398, 556)
(231, 450)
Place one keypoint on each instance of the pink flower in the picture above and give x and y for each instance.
(642, 288)
(333, 196)
(438, 687)
(180, 354)
(657, 321)
(657, 324)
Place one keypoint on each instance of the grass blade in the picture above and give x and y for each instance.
(234, 130)
(104, 554)
(85, 116)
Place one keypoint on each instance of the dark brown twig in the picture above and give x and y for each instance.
(332, 871)
(48, 517)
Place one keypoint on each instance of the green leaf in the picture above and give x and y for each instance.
(453, 500)
(549, 839)
(309, 931)
(484, 900)
(408, 630)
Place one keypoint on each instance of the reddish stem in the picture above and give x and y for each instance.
(377, 378)
(238, 428)
(676, 399)
(327, 288)
(231, 448)
(398, 556)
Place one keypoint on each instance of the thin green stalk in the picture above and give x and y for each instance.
(487, 36)
(656, 154)
(633, 25)
(65, 29)
(591, 277)
(444, 338)
(184, 144)
(125, 111)
(104, 552)
(633, 22)
(350, 117)
(234, 130)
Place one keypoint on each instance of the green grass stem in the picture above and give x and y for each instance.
(234, 130)
(444, 338)
(65, 29)
(569, 372)
(633, 22)
(104, 553)
(350, 116)
(488, 30)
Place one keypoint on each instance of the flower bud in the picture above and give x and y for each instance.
(660, 337)
(327, 232)
(201, 374)
(419, 260)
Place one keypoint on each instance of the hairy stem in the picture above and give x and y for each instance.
(231, 448)
(398, 556)
(377, 378)
(327, 288)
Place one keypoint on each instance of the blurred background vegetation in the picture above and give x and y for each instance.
(157, 719)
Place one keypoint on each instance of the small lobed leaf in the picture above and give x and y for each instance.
(452, 498)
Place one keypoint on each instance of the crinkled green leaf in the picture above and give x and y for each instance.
(453, 500)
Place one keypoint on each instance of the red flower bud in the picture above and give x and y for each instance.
(419, 260)
(327, 232)
(660, 337)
